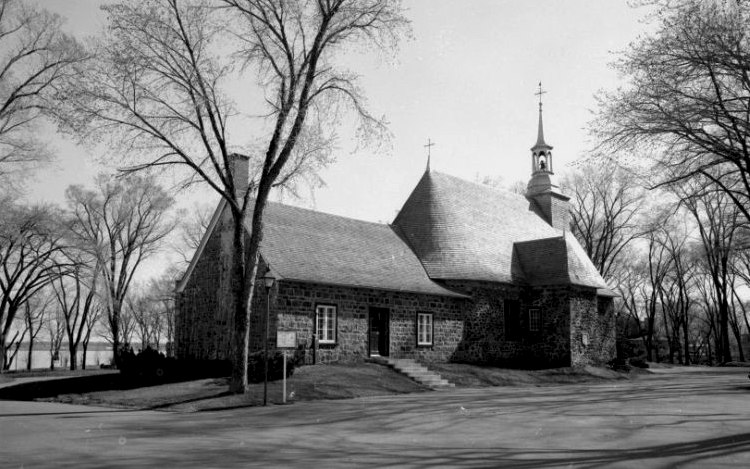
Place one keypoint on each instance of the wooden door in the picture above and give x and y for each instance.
(379, 331)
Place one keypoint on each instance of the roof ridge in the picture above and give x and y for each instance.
(320, 212)
(499, 190)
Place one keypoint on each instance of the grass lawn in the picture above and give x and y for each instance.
(339, 381)
(307, 383)
(463, 375)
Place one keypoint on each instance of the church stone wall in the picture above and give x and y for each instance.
(485, 339)
(202, 307)
(293, 308)
(577, 328)
(592, 334)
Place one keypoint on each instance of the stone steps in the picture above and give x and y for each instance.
(415, 371)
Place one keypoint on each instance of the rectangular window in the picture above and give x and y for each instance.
(424, 328)
(325, 324)
(512, 319)
(535, 320)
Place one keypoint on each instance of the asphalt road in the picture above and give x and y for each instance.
(689, 419)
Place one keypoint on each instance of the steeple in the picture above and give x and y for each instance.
(540, 131)
(543, 191)
(541, 154)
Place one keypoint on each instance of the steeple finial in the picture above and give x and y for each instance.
(540, 131)
(429, 146)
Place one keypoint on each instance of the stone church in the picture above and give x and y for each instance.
(464, 273)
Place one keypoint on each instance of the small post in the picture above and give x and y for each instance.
(285, 340)
(283, 385)
(268, 280)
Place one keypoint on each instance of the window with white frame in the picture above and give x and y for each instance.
(424, 328)
(325, 324)
(535, 320)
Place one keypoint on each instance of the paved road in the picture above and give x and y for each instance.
(691, 419)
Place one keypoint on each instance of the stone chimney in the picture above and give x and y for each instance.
(240, 172)
(546, 198)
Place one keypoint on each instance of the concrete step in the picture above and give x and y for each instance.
(415, 371)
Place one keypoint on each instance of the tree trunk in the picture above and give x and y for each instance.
(30, 354)
(115, 326)
(3, 351)
(73, 349)
(668, 334)
(85, 347)
(738, 337)
(685, 329)
(725, 353)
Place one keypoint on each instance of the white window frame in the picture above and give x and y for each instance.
(328, 315)
(535, 325)
(425, 334)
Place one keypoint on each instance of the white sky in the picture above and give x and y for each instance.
(466, 81)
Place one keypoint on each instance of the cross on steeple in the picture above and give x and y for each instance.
(540, 93)
(429, 146)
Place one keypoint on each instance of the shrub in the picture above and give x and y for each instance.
(255, 366)
(620, 364)
(149, 364)
(638, 363)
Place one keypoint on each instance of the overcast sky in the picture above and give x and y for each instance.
(466, 81)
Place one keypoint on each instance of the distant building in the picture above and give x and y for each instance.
(464, 273)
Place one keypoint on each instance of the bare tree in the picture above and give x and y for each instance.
(122, 222)
(55, 323)
(657, 266)
(675, 291)
(605, 203)
(718, 219)
(192, 227)
(75, 292)
(34, 56)
(157, 87)
(92, 320)
(30, 243)
(686, 103)
(35, 310)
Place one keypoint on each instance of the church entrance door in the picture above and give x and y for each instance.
(379, 331)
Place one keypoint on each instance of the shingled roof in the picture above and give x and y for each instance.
(448, 229)
(311, 246)
(466, 231)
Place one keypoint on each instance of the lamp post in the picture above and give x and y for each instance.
(268, 281)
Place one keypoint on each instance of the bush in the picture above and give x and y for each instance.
(149, 364)
(638, 363)
(620, 364)
(255, 366)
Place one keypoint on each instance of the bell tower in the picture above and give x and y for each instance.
(543, 191)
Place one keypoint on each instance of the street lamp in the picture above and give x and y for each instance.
(268, 281)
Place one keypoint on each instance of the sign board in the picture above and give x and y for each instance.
(286, 339)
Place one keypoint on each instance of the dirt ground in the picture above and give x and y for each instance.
(688, 417)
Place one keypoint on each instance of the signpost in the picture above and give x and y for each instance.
(285, 340)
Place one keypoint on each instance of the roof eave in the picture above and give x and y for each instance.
(445, 292)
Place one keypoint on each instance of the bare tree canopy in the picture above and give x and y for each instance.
(30, 244)
(34, 57)
(686, 102)
(604, 208)
(157, 87)
(121, 222)
(75, 292)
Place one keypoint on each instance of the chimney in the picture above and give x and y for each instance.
(240, 172)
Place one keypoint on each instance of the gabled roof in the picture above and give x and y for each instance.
(447, 229)
(311, 246)
(557, 261)
(466, 231)
(316, 247)
(462, 230)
